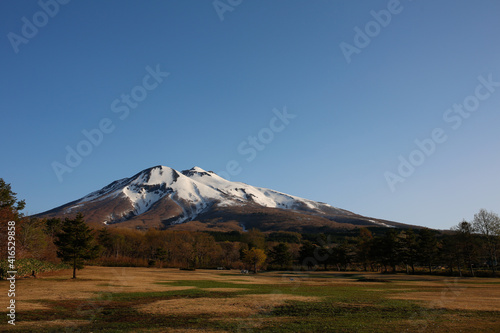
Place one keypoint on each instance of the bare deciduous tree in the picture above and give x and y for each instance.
(488, 225)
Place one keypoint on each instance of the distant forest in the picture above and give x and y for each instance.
(468, 249)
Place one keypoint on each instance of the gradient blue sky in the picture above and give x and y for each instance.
(352, 122)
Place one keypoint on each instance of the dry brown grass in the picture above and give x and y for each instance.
(244, 305)
(93, 280)
(30, 305)
(89, 282)
(458, 297)
(454, 293)
(181, 330)
(433, 291)
(32, 326)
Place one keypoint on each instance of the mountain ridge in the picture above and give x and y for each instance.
(196, 199)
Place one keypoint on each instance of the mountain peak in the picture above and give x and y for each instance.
(162, 197)
(197, 169)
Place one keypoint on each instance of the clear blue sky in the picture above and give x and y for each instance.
(352, 120)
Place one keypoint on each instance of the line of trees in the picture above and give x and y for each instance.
(469, 248)
(466, 250)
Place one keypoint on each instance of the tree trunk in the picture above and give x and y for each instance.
(74, 268)
(494, 260)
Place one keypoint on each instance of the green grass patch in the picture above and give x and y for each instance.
(345, 293)
(205, 284)
(382, 316)
(153, 296)
(323, 275)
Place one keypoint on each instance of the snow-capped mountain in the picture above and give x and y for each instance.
(162, 197)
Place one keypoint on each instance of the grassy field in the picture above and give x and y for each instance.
(106, 299)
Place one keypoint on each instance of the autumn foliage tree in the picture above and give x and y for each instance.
(255, 258)
(230, 254)
(34, 240)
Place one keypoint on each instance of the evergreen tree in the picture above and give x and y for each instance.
(8, 198)
(364, 242)
(448, 253)
(385, 250)
(341, 256)
(390, 246)
(409, 249)
(428, 247)
(161, 255)
(465, 246)
(53, 226)
(280, 255)
(105, 239)
(76, 243)
(307, 253)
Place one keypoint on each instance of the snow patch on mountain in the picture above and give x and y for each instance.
(105, 192)
(382, 224)
(194, 191)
